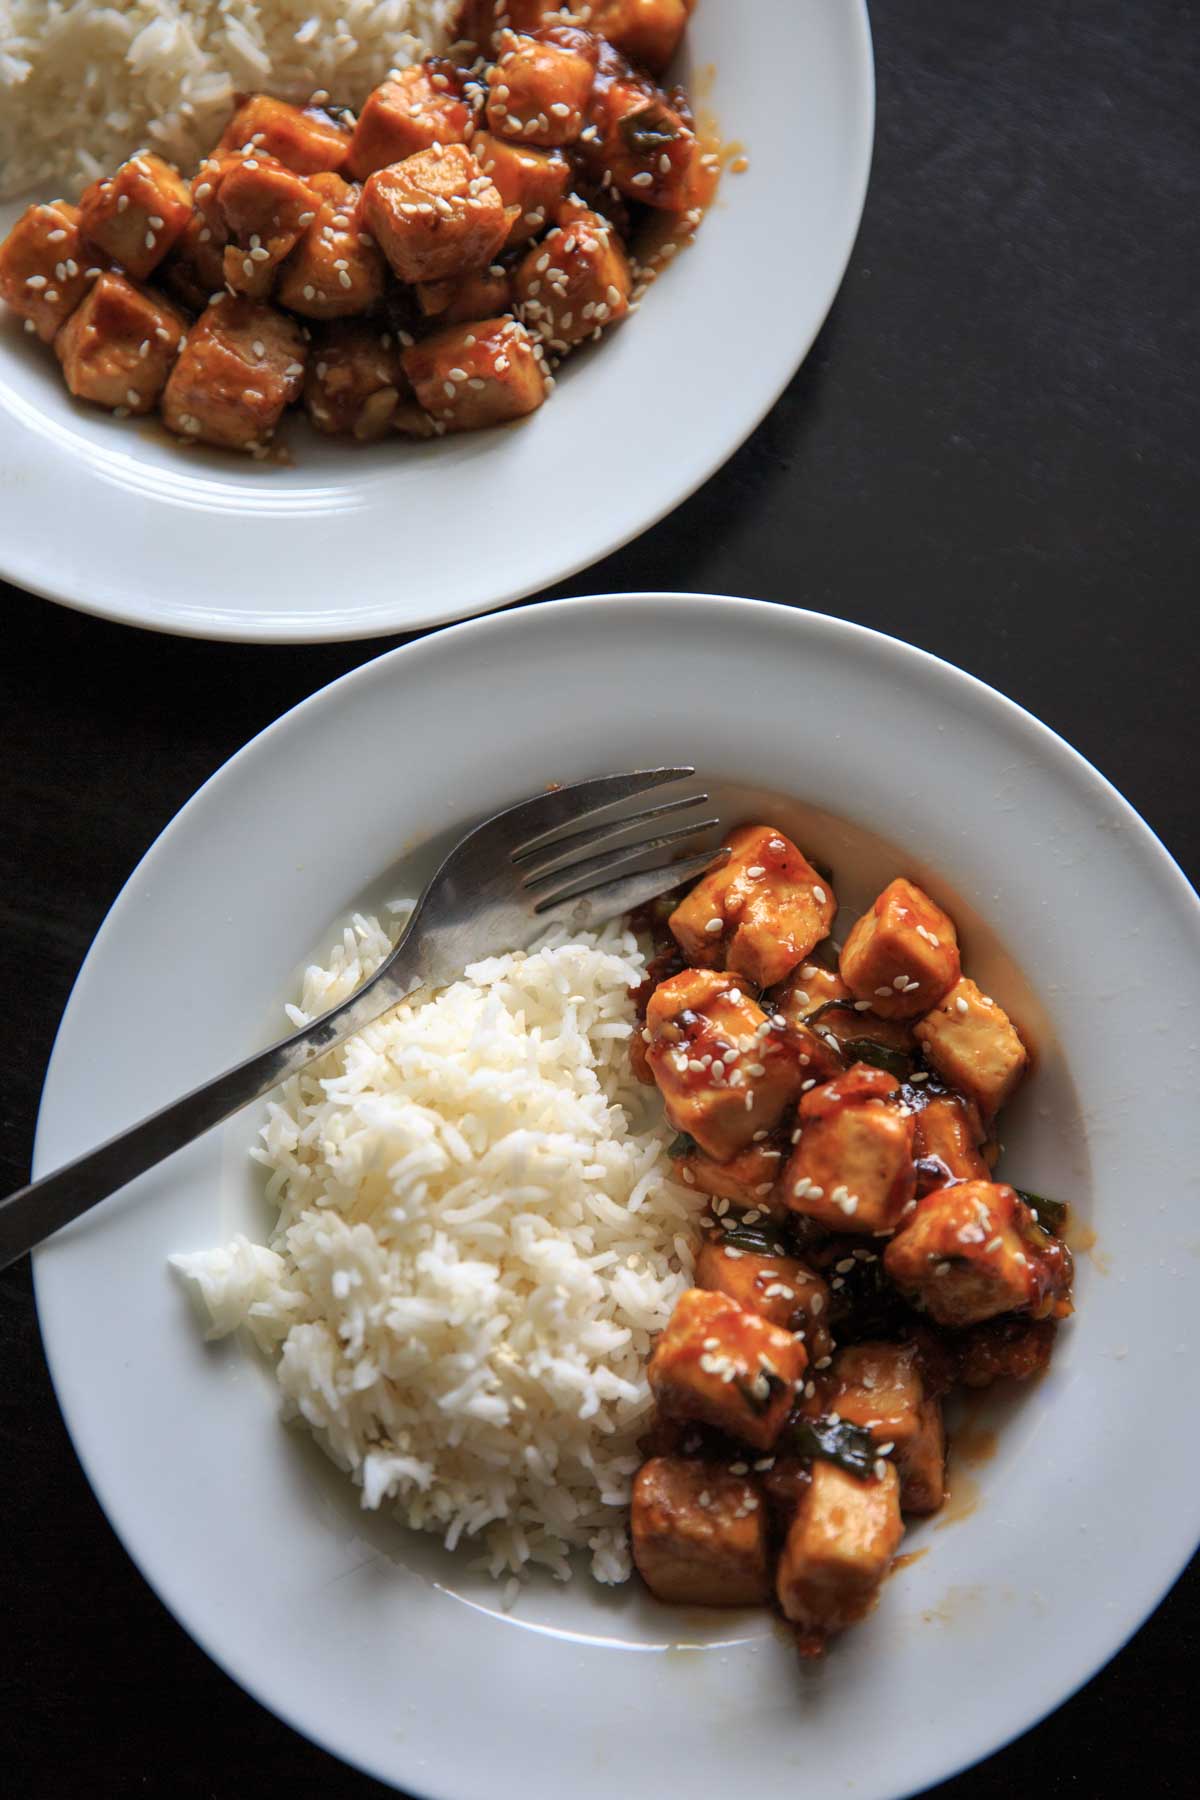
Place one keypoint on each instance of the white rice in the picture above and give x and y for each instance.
(478, 1237)
(84, 84)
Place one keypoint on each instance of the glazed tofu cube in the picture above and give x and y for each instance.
(699, 1534)
(648, 147)
(839, 1547)
(486, 22)
(946, 1143)
(647, 31)
(471, 376)
(852, 1169)
(574, 283)
(43, 266)
(1005, 1349)
(724, 1072)
(243, 363)
(303, 138)
(536, 181)
(482, 295)
(726, 1367)
(408, 113)
(818, 1003)
(195, 269)
(355, 383)
(778, 1288)
(138, 214)
(264, 208)
(880, 1386)
(972, 1251)
(972, 1044)
(746, 1180)
(760, 913)
(903, 954)
(435, 215)
(539, 88)
(118, 346)
(336, 270)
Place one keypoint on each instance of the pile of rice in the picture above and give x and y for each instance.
(84, 84)
(478, 1238)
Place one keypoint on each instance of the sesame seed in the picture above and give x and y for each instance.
(819, 894)
(961, 1004)
(122, 202)
(643, 180)
(714, 925)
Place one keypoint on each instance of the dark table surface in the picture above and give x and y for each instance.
(990, 452)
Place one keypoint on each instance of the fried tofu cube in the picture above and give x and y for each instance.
(699, 1534)
(646, 31)
(336, 270)
(482, 295)
(355, 382)
(809, 1001)
(1005, 1349)
(470, 376)
(264, 208)
(946, 1143)
(973, 1046)
(536, 181)
(539, 87)
(760, 913)
(647, 145)
(195, 269)
(43, 266)
(118, 346)
(724, 1072)
(778, 1288)
(409, 112)
(747, 1179)
(435, 214)
(575, 282)
(839, 1547)
(726, 1367)
(971, 1251)
(303, 138)
(485, 22)
(242, 364)
(138, 214)
(852, 1169)
(903, 954)
(880, 1386)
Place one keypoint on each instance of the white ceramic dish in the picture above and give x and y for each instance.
(355, 542)
(378, 1645)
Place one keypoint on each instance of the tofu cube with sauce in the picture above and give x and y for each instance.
(118, 346)
(355, 385)
(303, 138)
(575, 282)
(880, 1386)
(852, 1168)
(195, 269)
(137, 215)
(43, 266)
(747, 1179)
(902, 955)
(646, 31)
(336, 269)
(724, 1072)
(484, 294)
(539, 86)
(971, 1251)
(839, 1547)
(264, 209)
(475, 375)
(946, 1143)
(409, 112)
(1013, 1349)
(535, 181)
(242, 365)
(699, 1534)
(778, 1288)
(838, 1021)
(760, 913)
(436, 214)
(972, 1044)
(649, 147)
(726, 1367)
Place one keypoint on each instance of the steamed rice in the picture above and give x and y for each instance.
(478, 1237)
(83, 85)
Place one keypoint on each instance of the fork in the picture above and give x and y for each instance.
(503, 885)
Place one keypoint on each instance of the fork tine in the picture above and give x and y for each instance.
(564, 847)
(529, 823)
(576, 877)
(609, 899)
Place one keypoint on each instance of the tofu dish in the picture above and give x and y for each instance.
(418, 268)
(838, 1109)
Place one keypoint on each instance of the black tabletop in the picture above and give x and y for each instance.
(990, 452)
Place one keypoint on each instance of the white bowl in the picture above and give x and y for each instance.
(377, 1644)
(352, 541)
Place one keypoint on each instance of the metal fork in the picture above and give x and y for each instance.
(499, 889)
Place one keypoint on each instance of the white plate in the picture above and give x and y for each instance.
(377, 1644)
(114, 517)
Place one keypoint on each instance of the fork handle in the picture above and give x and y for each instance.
(33, 1213)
